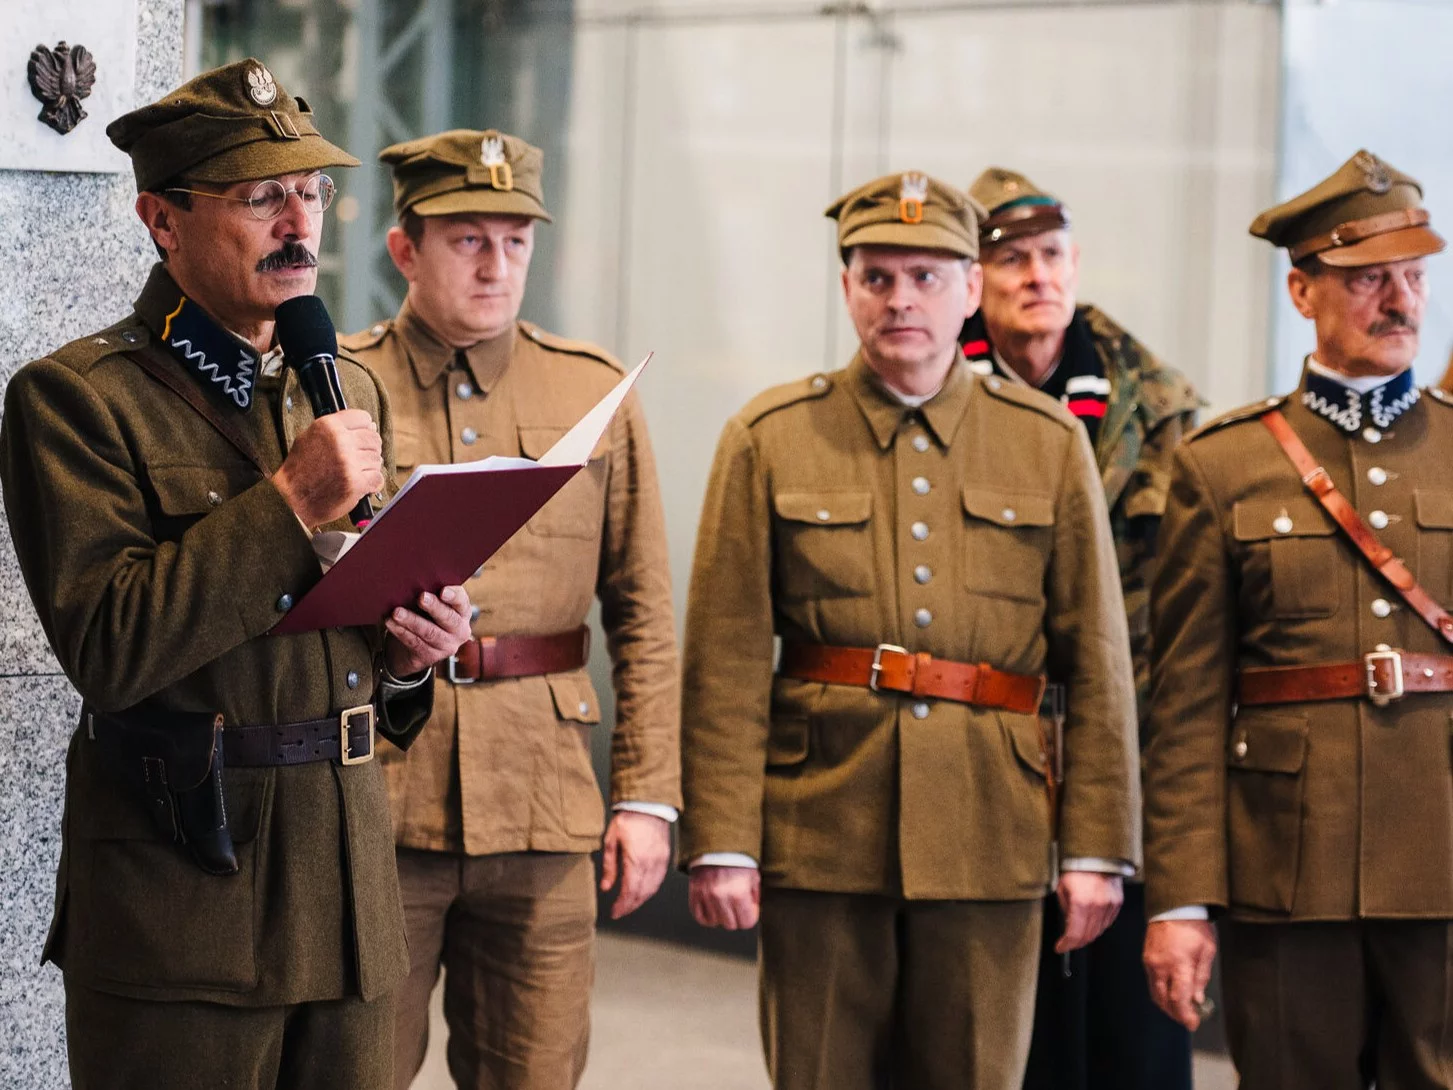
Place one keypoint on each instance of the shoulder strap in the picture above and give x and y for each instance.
(1319, 484)
(195, 398)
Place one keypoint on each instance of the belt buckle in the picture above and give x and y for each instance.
(1383, 697)
(345, 720)
(453, 673)
(876, 670)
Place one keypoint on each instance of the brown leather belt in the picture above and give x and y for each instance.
(346, 738)
(887, 668)
(1381, 676)
(491, 657)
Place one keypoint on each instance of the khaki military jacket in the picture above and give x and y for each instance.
(974, 529)
(505, 765)
(1331, 810)
(158, 558)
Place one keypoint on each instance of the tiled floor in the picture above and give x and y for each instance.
(676, 1019)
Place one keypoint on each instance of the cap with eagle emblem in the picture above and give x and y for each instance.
(232, 124)
(467, 170)
(912, 210)
(1365, 213)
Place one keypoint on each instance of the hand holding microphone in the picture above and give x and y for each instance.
(337, 461)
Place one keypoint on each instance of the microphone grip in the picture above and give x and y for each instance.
(319, 380)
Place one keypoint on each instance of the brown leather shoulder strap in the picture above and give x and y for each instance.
(198, 401)
(1319, 484)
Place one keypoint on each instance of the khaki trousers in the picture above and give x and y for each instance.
(116, 1043)
(1339, 1006)
(515, 935)
(863, 992)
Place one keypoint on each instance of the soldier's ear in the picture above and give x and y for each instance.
(1302, 288)
(403, 250)
(974, 275)
(160, 217)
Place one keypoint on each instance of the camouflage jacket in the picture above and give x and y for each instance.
(1151, 408)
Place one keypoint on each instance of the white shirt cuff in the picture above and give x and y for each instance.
(723, 859)
(1099, 866)
(1185, 912)
(391, 686)
(655, 809)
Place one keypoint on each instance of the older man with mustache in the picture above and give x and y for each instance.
(1298, 799)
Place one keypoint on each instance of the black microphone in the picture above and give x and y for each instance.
(310, 346)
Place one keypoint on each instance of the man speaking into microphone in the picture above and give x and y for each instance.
(227, 909)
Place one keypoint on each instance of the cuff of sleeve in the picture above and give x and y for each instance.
(723, 859)
(392, 686)
(655, 809)
(1186, 912)
(1099, 866)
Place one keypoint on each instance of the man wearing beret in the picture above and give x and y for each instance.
(1298, 795)
(1095, 1027)
(227, 910)
(927, 544)
(496, 810)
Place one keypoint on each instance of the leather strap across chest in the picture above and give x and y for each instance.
(1319, 483)
(887, 668)
(489, 658)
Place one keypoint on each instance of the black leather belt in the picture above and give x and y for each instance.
(346, 738)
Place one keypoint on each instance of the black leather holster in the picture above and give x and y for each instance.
(174, 761)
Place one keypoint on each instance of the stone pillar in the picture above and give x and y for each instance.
(74, 256)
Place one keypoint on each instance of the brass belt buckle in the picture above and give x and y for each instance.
(345, 720)
(1382, 697)
(876, 670)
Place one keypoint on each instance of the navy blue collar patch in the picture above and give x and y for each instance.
(218, 361)
(1350, 411)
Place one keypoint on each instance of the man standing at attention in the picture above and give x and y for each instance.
(927, 544)
(1298, 791)
(1095, 1028)
(227, 911)
(496, 811)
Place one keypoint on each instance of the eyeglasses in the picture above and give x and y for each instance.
(268, 198)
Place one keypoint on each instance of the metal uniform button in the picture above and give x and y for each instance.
(1282, 524)
(922, 574)
(214, 499)
(468, 437)
(473, 614)
(583, 708)
(920, 710)
(464, 390)
(130, 337)
(376, 330)
(1377, 475)
(352, 679)
(288, 403)
(1372, 435)
(1009, 514)
(921, 485)
(1381, 607)
(920, 443)
(919, 530)
(818, 382)
(994, 384)
(1378, 520)
(922, 618)
(824, 515)
(285, 603)
(1241, 748)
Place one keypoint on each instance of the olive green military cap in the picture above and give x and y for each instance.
(1016, 207)
(1366, 213)
(232, 124)
(910, 210)
(467, 170)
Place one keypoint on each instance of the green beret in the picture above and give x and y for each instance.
(910, 210)
(467, 170)
(1017, 207)
(1365, 214)
(232, 124)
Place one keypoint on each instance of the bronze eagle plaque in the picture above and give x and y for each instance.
(60, 78)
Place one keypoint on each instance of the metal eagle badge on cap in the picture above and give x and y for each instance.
(492, 155)
(912, 192)
(1376, 175)
(260, 86)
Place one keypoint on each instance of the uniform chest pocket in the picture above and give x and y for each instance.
(1009, 535)
(823, 544)
(1435, 542)
(1289, 558)
(179, 496)
(577, 510)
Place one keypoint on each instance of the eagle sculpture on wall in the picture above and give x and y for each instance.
(60, 78)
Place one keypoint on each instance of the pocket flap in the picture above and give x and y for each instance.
(192, 490)
(1147, 495)
(824, 508)
(574, 697)
(1435, 509)
(787, 741)
(1263, 520)
(1268, 743)
(1006, 508)
(537, 439)
(1026, 740)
